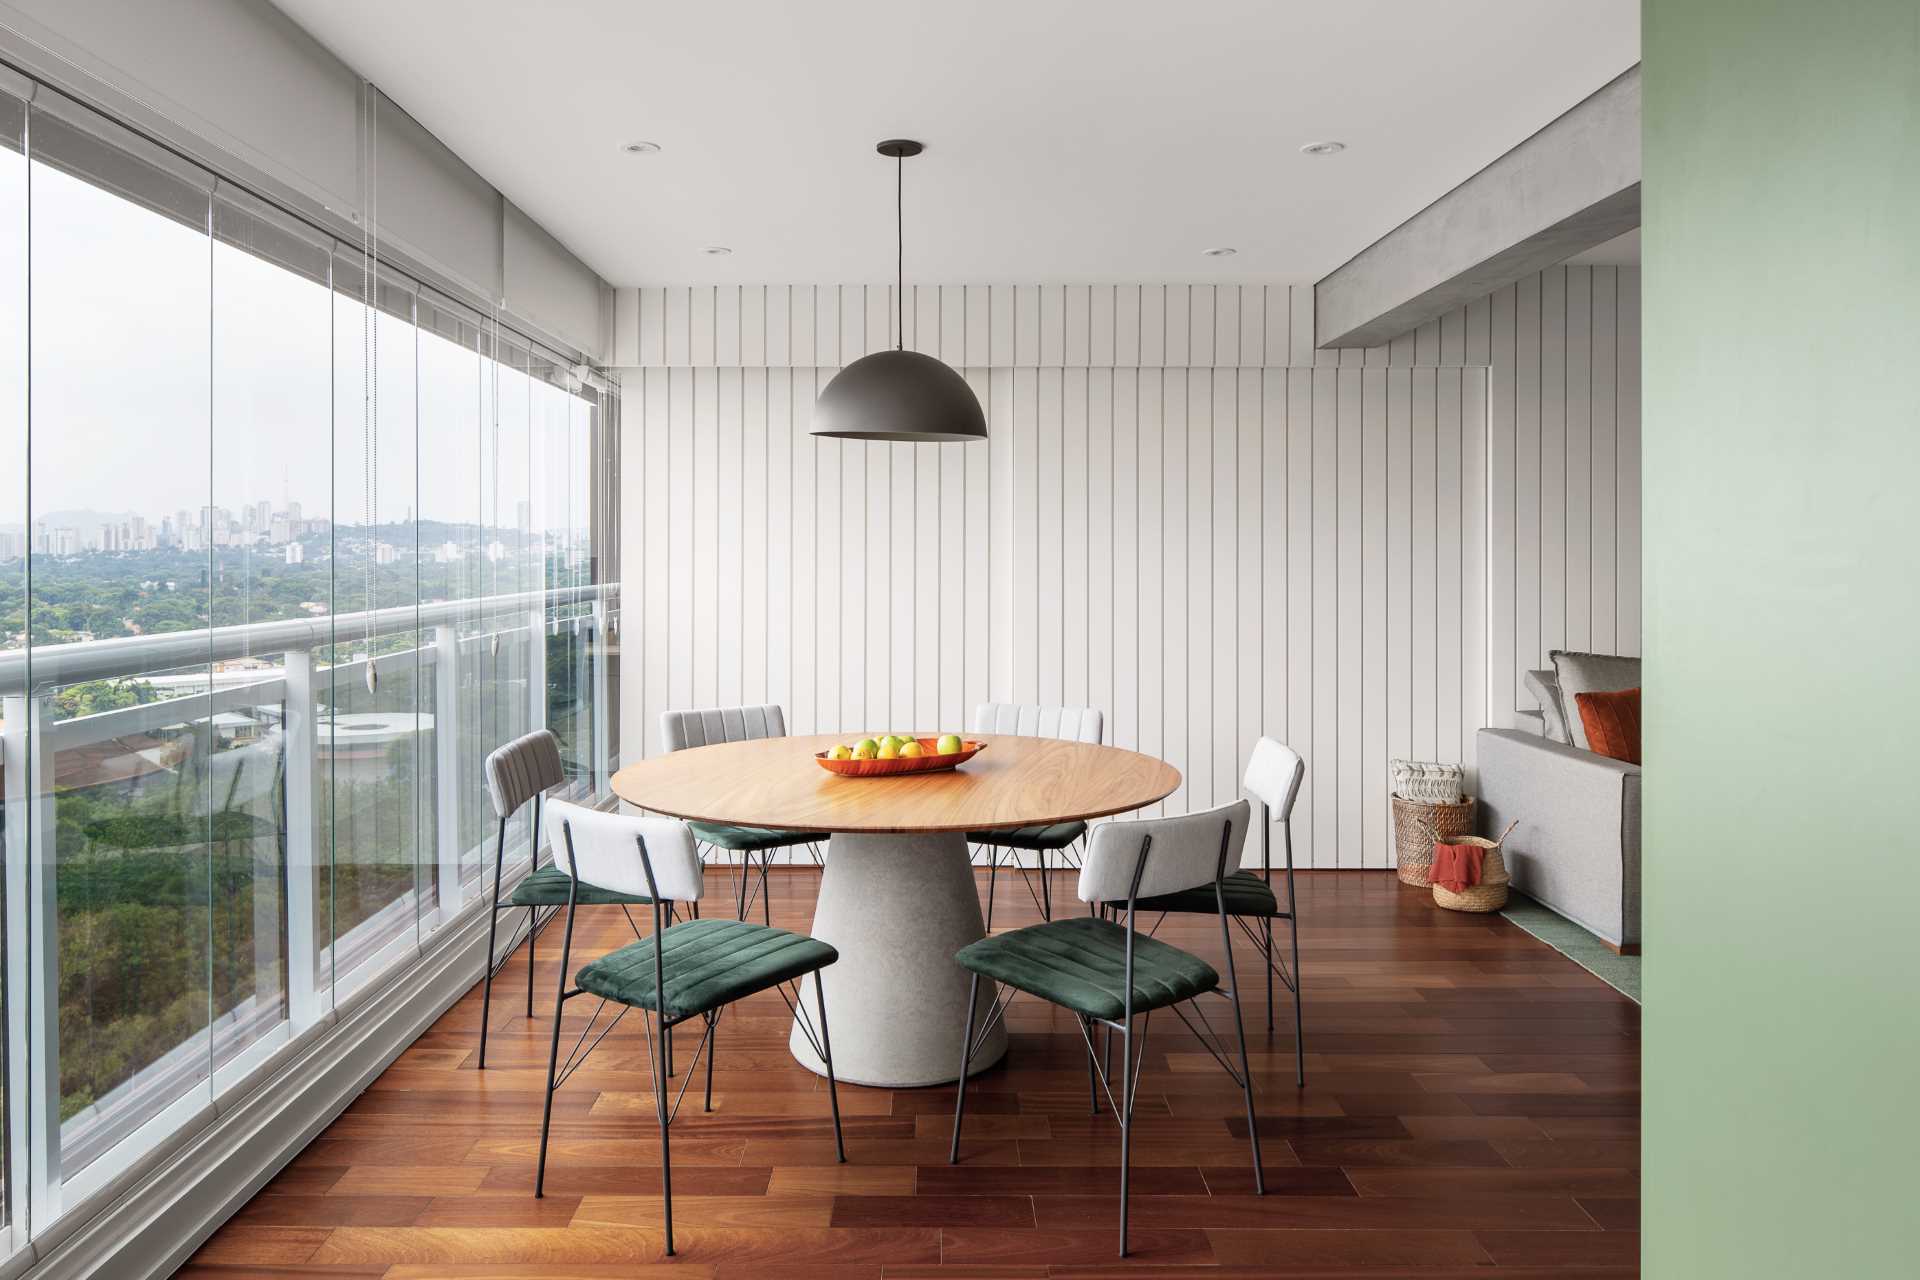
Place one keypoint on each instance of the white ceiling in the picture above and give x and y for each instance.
(1065, 142)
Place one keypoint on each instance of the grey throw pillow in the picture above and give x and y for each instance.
(1590, 673)
(1545, 685)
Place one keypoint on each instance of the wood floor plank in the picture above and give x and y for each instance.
(1556, 1248)
(972, 1246)
(1470, 1109)
(1355, 1213)
(1291, 1250)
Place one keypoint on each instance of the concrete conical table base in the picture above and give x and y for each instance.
(897, 907)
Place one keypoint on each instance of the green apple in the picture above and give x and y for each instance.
(840, 753)
(889, 748)
(891, 740)
(949, 745)
(866, 749)
(912, 750)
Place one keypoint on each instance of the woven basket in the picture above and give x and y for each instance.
(1491, 893)
(1418, 826)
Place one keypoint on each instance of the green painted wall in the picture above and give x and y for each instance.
(1782, 533)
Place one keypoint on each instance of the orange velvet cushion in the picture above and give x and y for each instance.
(1612, 721)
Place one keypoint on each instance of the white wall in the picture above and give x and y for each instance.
(1183, 515)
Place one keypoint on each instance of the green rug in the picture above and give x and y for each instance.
(1622, 973)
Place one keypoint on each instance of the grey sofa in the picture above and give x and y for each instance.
(1577, 845)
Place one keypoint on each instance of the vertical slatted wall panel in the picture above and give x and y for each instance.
(1358, 554)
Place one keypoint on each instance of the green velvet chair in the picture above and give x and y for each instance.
(1110, 974)
(693, 969)
(519, 773)
(1274, 775)
(680, 730)
(1074, 724)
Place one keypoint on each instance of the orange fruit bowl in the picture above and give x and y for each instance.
(928, 763)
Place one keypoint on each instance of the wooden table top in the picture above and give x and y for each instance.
(1014, 782)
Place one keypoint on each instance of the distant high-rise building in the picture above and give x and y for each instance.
(296, 553)
(385, 553)
(280, 530)
(64, 542)
(449, 552)
(262, 515)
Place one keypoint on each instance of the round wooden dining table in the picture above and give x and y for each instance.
(898, 897)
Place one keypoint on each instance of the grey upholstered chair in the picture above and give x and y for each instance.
(1105, 972)
(520, 772)
(682, 730)
(693, 969)
(1074, 724)
(1274, 775)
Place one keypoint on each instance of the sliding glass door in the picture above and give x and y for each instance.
(288, 543)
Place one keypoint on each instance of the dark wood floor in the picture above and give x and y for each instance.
(1472, 1109)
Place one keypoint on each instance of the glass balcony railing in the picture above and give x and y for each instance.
(229, 846)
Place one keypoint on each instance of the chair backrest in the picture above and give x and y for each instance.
(1185, 853)
(605, 850)
(1274, 774)
(522, 769)
(706, 726)
(1075, 724)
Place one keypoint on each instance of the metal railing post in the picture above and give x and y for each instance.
(446, 754)
(598, 646)
(33, 955)
(308, 992)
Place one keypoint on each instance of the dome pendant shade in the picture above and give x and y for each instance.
(899, 395)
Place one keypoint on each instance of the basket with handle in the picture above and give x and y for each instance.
(1491, 893)
(1420, 824)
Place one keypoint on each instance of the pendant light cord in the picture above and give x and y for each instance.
(899, 253)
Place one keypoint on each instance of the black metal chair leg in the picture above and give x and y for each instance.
(713, 1049)
(993, 875)
(966, 1058)
(1293, 932)
(553, 1053)
(533, 921)
(1093, 1080)
(493, 923)
(1266, 953)
(826, 1055)
(1246, 1071)
(766, 893)
(666, 1154)
(1046, 887)
(1125, 1104)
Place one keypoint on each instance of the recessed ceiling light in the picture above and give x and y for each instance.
(1323, 148)
(640, 148)
(716, 251)
(1221, 252)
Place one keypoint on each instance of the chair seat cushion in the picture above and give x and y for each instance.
(1246, 894)
(1056, 835)
(547, 887)
(1079, 963)
(707, 963)
(754, 838)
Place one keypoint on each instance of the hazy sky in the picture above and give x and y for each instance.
(141, 404)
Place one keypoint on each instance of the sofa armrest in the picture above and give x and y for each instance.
(1577, 843)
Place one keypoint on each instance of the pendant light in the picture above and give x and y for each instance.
(899, 394)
